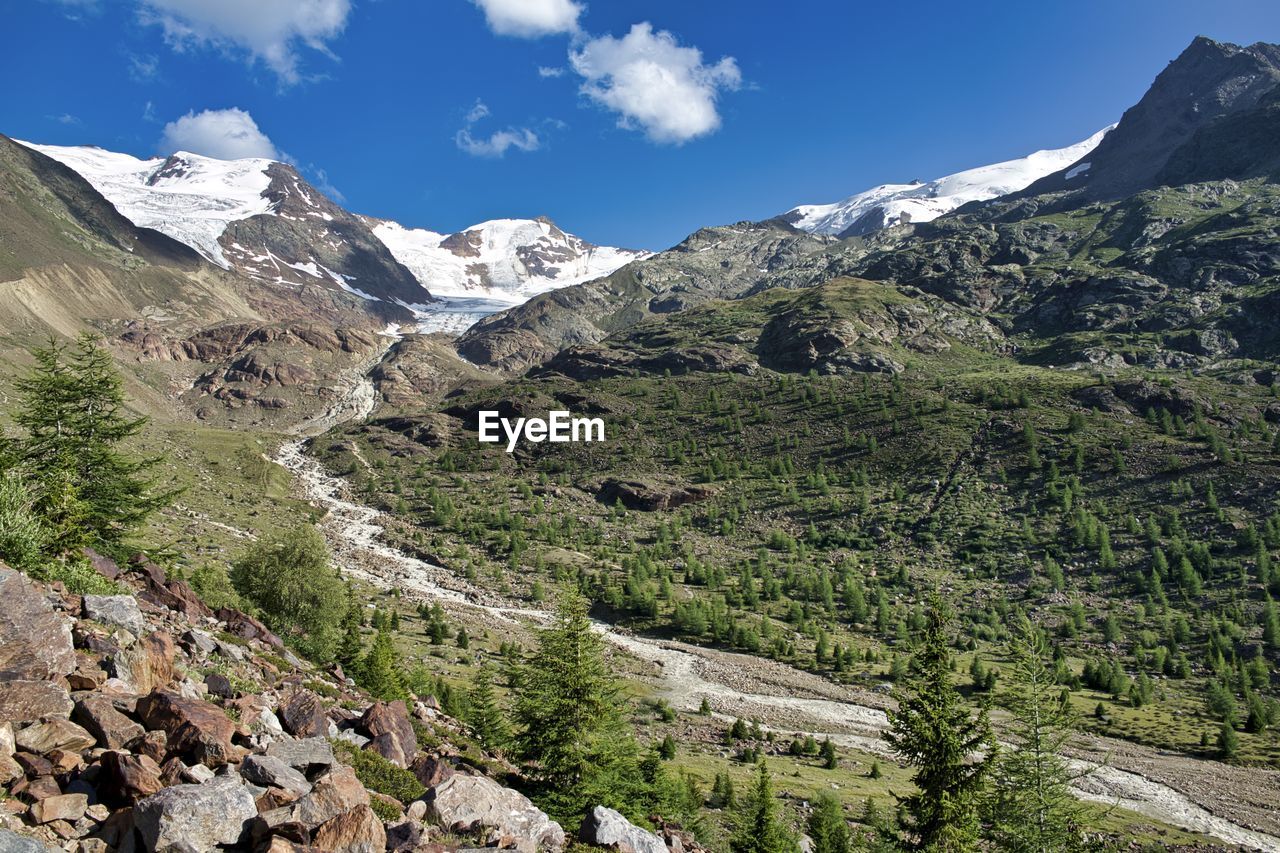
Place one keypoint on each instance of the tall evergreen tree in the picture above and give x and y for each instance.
(952, 751)
(351, 646)
(827, 826)
(380, 671)
(86, 488)
(569, 725)
(484, 714)
(759, 828)
(1032, 807)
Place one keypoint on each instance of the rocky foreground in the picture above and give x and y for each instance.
(146, 721)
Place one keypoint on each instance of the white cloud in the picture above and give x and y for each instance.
(223, 134)
(530, 18)
(65, 118)
(497, 143)
(654, 83)
(545, 71)
(271, 31)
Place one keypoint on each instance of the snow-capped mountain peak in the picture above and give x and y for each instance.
(894, 204)
(186, 196)
(505, 259)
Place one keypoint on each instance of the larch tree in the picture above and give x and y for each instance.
(933, 730)
(1032, 807)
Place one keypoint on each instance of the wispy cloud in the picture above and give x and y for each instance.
(497, 143)
(65, 118)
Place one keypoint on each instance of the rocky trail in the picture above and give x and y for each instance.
(790, 700)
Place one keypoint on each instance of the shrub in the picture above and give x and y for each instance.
(289, 578)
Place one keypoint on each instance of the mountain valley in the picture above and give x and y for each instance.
(1044, 392)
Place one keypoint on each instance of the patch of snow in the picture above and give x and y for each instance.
(192, 204)
(1078, 170)
(922, 202)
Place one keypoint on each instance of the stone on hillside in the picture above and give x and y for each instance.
(334, 793)
(35, 642)
(99, 716)
(104, 566)
(501, 816)
(246, 627)
(199, 641)
(431, 770)
(10, 770)
(302, 714)
(7, 743)
(605, 827)
(147, 665)
(23, 701)
(43, 738)
(393, 737)
(118, 611)
(195, 818)
(271, 772)
(197, 730)
(652, 496)
(125, 779)
(12, 842)
(356, 831)
(68, 807)
(307, 755)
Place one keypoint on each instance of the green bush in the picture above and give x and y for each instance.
(378, 774)
(289, 578)
(22, 535)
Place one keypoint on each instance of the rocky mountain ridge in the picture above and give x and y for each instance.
(262, 219)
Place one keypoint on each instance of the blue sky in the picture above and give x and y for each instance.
(646, 121)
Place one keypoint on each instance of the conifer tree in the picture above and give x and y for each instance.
(1032, 807)
(952, 751)
(484, 715)
(759, 828)
(86, 489)
(569, 726)
(827, 826)
(380, 670)
(351, 646)
(828, 754)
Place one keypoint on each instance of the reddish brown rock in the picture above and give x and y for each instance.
(125, 779)
(26, 701)
(57, 734)
(104, 566)
(100, 718)
(148, 664)
(431, 770)
(393, 737)
(37, 788)
(68, 807)
(246, 627)
(34, 765)
(198, 731)
(154, 745)
(35, 642)
(302, 714)
(356, 831)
